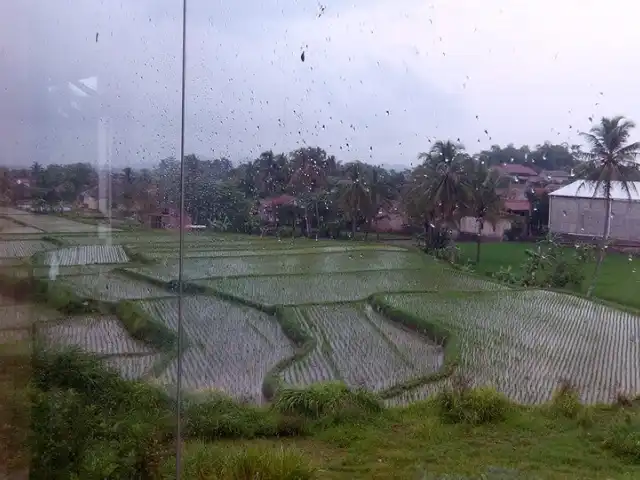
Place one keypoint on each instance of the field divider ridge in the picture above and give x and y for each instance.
(138, 324)
(431, 329)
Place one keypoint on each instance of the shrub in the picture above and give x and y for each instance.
(224, 463)
(566, 400)
(623, 438)
(143, 327)
(325, 399)
(463, 404)
(87, 422)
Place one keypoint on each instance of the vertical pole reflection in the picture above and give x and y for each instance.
(181, 251)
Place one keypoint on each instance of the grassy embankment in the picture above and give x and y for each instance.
(619, 279)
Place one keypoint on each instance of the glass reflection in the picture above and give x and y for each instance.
(273, 240)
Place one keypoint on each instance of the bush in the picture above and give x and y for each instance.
(218, 416)
(566, 400)
(87, 422)
(475, 406)
(623, 438)
(142, 327)
(224, 463)
(326, 399)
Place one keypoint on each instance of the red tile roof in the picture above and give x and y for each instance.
(515, 169)
(517, 205)
(277, 201)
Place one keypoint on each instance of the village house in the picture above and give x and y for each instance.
(167, 218)
(576, 211)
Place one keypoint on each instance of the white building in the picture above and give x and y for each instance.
(577, 209)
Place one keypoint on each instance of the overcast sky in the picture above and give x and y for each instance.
(379, 81)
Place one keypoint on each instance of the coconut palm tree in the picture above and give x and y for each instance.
(445, 182)
(485, 205)
(381, 195)
(610, 161)
(353, 196)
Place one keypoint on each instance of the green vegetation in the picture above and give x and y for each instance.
(618, 276)
(86, 422)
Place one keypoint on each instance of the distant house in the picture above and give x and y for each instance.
(89, 199)
(390, 220)
(167, 218)
(470, 225)
(577, 210)
(559, 177)
(268, 208)
(519, 173)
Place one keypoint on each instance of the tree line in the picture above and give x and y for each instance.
(328, 197)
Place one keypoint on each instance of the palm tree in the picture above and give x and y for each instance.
(610, 161)
(485, 205)
(353, 195)
(446, 187)
(311, 167)
(381, 194)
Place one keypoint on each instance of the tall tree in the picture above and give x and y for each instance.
(484, 203)
(310, 166)
(381, 195)
(447, 188)
(610, 161)
(353, 195)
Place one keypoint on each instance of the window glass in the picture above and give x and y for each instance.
(291, 240)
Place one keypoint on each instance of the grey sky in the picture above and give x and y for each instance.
(529, 71)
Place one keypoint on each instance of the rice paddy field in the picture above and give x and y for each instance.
(522, 342)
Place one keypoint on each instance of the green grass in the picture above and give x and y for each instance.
(80, 408)
(619, 280)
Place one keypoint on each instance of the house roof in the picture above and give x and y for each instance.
(584, 189)
(555, 173)
(517, 205)
(516, 169)
(277, 201)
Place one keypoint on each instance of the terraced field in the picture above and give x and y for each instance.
(285, 264)
(49, 223)
(102, 335)
(361, 348)
(22, 248)
(112, 287)
(525, 342)
(231, 348)
(343, 287)
(86, 255)
(8, 226)
(521, 342)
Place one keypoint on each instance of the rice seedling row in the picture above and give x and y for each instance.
(86, 255)
(232, 348)
(525, 342)
(236, 250)
(102, 335)
(112, 287)
(52, 223)
(22, 315)
(55, 272)
(10, 262)
(344, 287)
(8, 226)
(132, 367)
(8, 337)
(22, 248)
(199, 268)
(354, 349)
